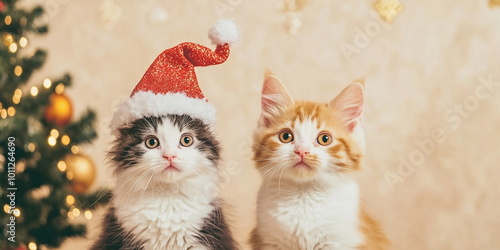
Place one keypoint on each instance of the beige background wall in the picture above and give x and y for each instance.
(418, 70)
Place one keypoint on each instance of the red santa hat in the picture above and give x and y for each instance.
(169, 86)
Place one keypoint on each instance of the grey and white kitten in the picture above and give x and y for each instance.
(166, 189)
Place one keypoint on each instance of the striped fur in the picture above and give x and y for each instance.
(309, 198)
(155, 206)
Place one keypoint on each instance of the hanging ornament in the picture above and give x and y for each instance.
(22, 247)
(2, 6)
(494, 3)
(293, 10)
(80, 170)
(19, 247)
(59, 110)
(388, 9)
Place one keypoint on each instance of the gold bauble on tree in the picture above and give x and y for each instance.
(59, 110)
(80, 171)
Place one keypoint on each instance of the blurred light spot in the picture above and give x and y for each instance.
(65, 140)
(31, 147)
(34, 91)
(54, 133)
(23, 42)
(47, 83)
(61, 165)
(52, 141)
(13, 48)
(70, 199)
(59, 88)
(7, 20)
(18, 70)
(11, 111)
(88, 215)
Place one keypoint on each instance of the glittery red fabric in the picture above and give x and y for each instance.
(173, 70)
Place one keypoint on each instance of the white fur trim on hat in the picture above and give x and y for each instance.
(224, 31)
(143, 104)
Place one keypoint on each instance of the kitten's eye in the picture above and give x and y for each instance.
(325, 138)
(186, 140)
(152, 142)
(286, 136)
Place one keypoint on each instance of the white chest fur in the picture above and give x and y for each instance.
(290, 217)
(168, 222)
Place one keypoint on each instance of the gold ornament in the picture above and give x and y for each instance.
(494, 3)
(59, 110)
(388, 9)
(81, 172)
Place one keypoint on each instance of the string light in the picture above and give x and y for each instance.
(16, 99)
(16, 212)
(20, 166)
(11, 111)
(76, 212)
(32, 246)
(52, 141)
(88, 215)
(65, 140)
(3, 113)
(31, 147)
(6, 208)
(7, 20)
(13, 48)
(34, 91)
(61, 165)
(59, 88)
(70, 215)
(54, 133)
(75, 149)
(17, 96)
(70, 175)
(70, 200)
(47, 83)
(23, 42)
(18, 70)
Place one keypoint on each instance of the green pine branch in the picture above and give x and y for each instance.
(42, 188)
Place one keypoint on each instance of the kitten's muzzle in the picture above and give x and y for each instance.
(301, 151)
(170, 165)
(169, 157)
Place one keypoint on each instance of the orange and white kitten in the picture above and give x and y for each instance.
(306, 153)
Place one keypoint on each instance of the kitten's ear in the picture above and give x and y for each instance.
(274, 99)
(349, 104)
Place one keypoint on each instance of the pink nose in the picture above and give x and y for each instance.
(301, 151)
(169, 157)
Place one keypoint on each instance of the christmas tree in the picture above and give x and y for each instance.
(44, 177)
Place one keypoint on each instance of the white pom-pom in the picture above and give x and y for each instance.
(224, 31)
